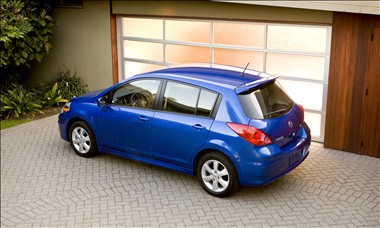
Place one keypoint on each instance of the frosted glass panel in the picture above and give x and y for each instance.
(143, 50)
(143, 28)
(309, 95)
(191, 31)
(297, 53)
(133, 68)
(239, 34)
(239, 58)
(297, 38)
(187, 54)
(299, 66)
(313, 120)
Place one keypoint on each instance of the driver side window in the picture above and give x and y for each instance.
(139, 93)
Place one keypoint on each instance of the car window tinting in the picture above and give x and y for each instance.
(180, 98)
(206, 103)
(268, 101)
(140, 93)
(188, 99)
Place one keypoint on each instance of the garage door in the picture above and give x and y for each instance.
(299, 54)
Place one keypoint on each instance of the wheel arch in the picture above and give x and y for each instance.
(219, 151)
(71, 122)
(198, 157)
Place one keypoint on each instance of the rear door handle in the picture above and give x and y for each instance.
(198, 127)
(143, 118)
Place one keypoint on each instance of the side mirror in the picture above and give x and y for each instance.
(102, 102)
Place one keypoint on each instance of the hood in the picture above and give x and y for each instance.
(87, 96)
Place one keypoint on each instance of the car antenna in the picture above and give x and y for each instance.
(242, 73)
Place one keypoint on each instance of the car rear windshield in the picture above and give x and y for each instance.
(266, 101)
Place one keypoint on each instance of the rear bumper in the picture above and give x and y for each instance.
(261, 171)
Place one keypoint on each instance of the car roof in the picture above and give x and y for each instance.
(216, 75)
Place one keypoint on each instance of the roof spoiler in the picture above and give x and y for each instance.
(248, 86)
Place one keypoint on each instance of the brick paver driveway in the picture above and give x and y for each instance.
(43, 183)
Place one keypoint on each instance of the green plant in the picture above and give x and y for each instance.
(53, 98)
(70, 85)
(26, 28)
(18, 102)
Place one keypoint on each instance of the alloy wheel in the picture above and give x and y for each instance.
(215, 176)
(81, 140)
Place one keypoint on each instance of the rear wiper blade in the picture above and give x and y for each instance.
(280, 111)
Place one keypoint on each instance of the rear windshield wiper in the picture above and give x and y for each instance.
(279, 112)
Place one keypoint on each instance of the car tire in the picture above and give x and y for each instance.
(217, 175)
(82, 140)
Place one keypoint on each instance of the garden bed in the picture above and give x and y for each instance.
(10, 122)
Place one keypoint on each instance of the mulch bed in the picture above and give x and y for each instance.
(47, 112)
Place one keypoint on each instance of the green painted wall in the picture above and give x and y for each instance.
(81, 43)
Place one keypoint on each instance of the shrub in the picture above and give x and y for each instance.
(68, 85)
(26, 29)
(18, 101)
(52, 98)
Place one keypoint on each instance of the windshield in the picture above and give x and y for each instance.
(266, 101)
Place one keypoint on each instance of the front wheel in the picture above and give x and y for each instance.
(82, 140)
(217, 175)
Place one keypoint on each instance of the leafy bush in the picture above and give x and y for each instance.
(18, 102)
(52, 98)
(26, 29)
(69, 85)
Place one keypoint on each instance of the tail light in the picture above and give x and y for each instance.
(303, 112)
(251, 134)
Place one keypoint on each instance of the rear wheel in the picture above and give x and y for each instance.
(217, 175)
(82, 140)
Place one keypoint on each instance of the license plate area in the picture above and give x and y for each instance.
(294, 158)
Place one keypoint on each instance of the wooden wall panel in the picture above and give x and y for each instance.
(362, 36)
(115, 67)
(371, 117)
(350, 73)
(341, 79)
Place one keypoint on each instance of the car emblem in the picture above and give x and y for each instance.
(290, 124)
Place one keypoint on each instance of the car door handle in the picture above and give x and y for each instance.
(198, 127)
(143, 118)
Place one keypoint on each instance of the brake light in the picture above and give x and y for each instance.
(302, 111)
(251, 134)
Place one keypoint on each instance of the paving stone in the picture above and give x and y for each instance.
(45, 184)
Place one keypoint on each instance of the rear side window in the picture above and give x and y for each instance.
(186, 99)
(206, 103)
(267, 101)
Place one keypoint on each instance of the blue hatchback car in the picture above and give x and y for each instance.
(227, 126)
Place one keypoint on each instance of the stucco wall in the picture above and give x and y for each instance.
(81, 43)
(82, 39)
(219, 10)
